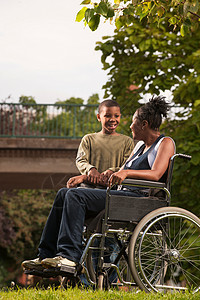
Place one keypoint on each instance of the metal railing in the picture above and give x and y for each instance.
(47, 120)
(70, 121)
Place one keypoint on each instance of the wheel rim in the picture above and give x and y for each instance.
(167, 253)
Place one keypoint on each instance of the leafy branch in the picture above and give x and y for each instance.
(179, 14)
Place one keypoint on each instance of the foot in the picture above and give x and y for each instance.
(33, 264)
(57, 262)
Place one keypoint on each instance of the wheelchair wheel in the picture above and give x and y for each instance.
(164, 252)
(111, 256)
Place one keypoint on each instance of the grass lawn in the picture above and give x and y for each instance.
(83, 294)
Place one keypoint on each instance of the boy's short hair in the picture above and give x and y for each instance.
(107, 103)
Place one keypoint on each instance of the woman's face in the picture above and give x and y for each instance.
(136, 127)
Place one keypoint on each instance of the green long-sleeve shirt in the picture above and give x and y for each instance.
(103, 152)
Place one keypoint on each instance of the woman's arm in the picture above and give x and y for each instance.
(160, 165)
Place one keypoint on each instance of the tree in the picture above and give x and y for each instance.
(71, 100)
(145, 59)
(75, 120)
(17, 119)
(182, 14)
(23, 214)
(94, 99)
(186, 133)
(27, 100)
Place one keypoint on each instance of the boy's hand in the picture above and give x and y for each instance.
(117, 177)
(74, 181)
(94, 176)
(106, 175)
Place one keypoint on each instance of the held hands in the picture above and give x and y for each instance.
(117, 177)
(93, 177)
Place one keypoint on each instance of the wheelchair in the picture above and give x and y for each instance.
(143, 243)
(157, 246)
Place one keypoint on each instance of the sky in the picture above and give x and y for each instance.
(45, 54)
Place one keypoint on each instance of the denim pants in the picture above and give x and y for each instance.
(62, 234)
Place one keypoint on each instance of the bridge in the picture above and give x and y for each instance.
(39, 142)
(38, 163)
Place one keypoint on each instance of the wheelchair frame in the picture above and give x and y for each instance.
(151, 230)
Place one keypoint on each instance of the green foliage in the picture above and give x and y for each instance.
(3, 273)
(94, 99)
(80, 119)
(71, 100)
(143, 57)
(185, 15)
(72, 118)
(27, 100)
(186, 134)
(23, 214)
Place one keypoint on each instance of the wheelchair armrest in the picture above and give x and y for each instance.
(144, 183)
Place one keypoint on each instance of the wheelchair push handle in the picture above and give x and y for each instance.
(185, 156)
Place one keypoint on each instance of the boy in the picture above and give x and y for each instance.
(102, 153)
(99, 155)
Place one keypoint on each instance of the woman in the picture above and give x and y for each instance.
(145, 127)
(149, 160)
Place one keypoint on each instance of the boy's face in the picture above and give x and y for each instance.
(109, 118)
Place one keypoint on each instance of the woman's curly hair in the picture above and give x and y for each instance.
(153, 111)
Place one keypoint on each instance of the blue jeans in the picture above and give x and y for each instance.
(62, 234)
(48, 242)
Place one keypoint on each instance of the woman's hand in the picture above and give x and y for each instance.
(74, 181)
(117, 177)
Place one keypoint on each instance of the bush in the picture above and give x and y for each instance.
(23, 214)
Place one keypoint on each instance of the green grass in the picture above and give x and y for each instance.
(74, 294)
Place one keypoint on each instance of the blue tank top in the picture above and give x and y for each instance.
(140, 161)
